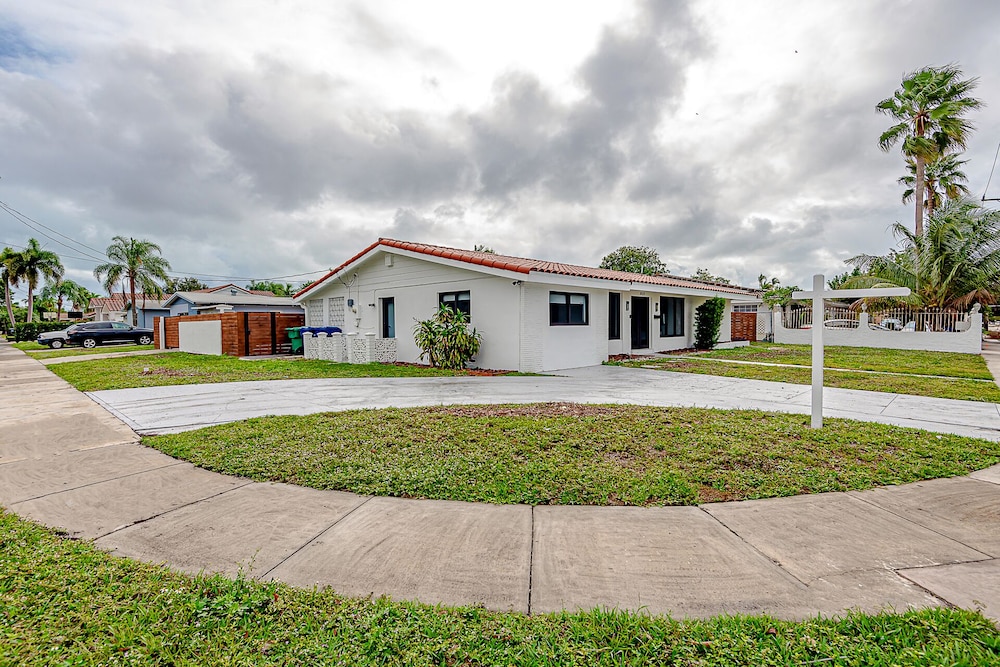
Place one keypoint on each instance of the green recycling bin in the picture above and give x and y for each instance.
(295, 336)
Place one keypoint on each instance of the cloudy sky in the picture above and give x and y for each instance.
(266, 138)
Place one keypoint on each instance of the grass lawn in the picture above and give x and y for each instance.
(45, 352)
(576, 454)
(963, 376)
(959, 388)
(65, 602)
(181, 368)
(948, 364)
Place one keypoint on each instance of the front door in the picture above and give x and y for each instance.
(640, 322)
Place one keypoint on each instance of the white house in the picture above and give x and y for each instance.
(534, 315)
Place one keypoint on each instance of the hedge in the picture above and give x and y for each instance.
(30, 330)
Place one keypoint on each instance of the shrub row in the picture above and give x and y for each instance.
(30, 330)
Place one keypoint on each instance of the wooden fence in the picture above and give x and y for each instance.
(243, 334)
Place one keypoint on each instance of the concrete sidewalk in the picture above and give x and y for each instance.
(67, 463)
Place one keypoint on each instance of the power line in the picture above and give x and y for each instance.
(23, 219)
(991, 176)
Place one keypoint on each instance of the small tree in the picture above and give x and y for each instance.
(445, 339)
(634, 259)
(707, 323)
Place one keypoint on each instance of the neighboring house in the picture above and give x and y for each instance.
(228, 300)
(534, 315)
(235, 289)
(115, 308)
(148, 308)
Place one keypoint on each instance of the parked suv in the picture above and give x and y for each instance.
(92, 334)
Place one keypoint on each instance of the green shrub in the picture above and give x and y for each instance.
(30, 330)
(445, 339)
(707, 322)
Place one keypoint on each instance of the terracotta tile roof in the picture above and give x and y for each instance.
(116, 302)
(525, 266)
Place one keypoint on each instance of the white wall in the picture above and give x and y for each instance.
(969, 341)
(415, 285)
(200, 337)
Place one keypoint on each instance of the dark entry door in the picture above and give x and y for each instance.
(640, 322)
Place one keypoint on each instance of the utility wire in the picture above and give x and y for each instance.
(33, 224)
(991, 176)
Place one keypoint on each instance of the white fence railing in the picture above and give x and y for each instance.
(896, 319)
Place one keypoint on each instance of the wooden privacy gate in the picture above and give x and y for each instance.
(243, 334)
(744, 326)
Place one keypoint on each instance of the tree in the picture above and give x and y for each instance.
(139, 262)
(484, 248)
(773, 293)
(929, 106)
(943, 177)
(11, 273)
(703, 274)
(188, 284)
(446, 340)
(278, 289)
(38, 264)
(634, 259)
(708, 322)
(957, 259)
(59, 290)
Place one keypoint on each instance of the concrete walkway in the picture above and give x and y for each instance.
(67, 463)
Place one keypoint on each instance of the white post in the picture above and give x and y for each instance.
(817, 352)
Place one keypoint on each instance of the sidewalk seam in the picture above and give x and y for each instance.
(316, 537)
(100, 481)
(531, 560)
(763, 555)
(173, 509)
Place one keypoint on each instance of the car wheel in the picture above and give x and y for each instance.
(55, 344)
(145, 340)
(89, 343)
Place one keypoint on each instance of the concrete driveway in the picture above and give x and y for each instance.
(185, 407)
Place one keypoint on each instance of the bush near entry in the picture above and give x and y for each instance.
(707, 322)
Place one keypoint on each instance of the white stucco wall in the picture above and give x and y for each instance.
(415, 285)
(200, 337)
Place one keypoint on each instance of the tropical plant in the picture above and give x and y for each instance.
(37, 264)
(943, 178)
(139, 262)
(11, 273)
(773, 293)
(446, 340)
(706, 275)
(957, 259)
(479, 247)
(929, 108)
(60, 290)
(634, 259)
(278, 289)
(708, 322)
(188, 284)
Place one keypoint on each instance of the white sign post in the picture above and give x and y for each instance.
(818, 294)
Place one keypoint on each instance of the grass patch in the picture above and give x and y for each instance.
(37, 351)
(958, 388)
(948, 364)
(67, 603)
(156, 370)
(572, 454)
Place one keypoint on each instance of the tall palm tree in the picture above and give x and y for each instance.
(957, 259)
(38, 264)
(60, 290)
(929, 106)
(11, 274)
(139, 262)
(943, 178)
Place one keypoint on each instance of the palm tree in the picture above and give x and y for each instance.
(930, 107)
(37, 264)
(957, 259)
(943, 177)
(136, 260)
(11, 274)
(58, 290)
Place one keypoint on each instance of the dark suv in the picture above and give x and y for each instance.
(92, 334)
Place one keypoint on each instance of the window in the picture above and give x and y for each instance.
(389, 317)
(614, 316)
(671, 316)
(461, 301)
(744, 308)
(119, 325)
(566, 308)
